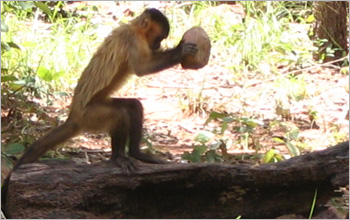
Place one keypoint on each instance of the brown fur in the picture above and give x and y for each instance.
(108, 68)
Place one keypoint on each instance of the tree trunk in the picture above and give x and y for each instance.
(59, 189)
(331, 24)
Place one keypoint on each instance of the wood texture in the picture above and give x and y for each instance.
(65, 190)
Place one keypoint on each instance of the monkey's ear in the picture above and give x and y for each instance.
(145, 23)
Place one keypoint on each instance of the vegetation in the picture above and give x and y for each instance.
(45, 46)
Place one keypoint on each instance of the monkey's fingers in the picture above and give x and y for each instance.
(189, 49)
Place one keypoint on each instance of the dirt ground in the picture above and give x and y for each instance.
(173, 130)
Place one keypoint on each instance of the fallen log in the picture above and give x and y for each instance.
(55, 189)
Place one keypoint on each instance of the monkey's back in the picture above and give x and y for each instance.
(106, 72)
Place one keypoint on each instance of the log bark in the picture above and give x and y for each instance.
(65, 190)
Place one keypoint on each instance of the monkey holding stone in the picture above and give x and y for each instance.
(130, 48)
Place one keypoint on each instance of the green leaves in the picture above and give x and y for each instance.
(204, 136)
(16, 84)
(216, 115)
(291, 136)
(48, 75)
(26, 5)
(195, 155)
(43, 7)
(4, 27)
(44, 74)
(16, 6)
(6, 46)
(200, 152)
(293, 149)
(212, 157)
(310, 18)
(8, 78)
(13, 148)
(290, 141)
(272, 156)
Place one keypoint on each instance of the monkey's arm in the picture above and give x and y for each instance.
(162, 60)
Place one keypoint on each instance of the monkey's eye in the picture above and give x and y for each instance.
(156, 43)
(158, 40)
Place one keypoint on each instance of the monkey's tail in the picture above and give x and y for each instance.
(49, 141)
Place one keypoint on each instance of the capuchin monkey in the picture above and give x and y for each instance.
(132, 48)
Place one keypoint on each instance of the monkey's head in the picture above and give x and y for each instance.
(154, 26)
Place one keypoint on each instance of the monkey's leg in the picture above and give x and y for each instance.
(110, 117)
(135, 112)
(119, 137)
(122, 119)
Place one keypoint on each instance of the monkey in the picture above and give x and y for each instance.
(131, 48)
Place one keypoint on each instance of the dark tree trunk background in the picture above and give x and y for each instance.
(331, 24)
(56, 189)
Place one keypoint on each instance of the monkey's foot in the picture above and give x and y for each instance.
(126, 164)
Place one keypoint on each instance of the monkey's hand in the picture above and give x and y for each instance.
(188, 48)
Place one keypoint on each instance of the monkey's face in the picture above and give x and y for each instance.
(155, 36)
